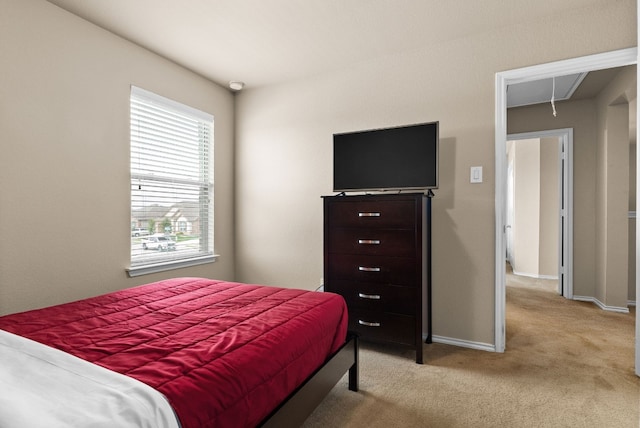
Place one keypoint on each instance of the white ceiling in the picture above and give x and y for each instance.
(265, 42)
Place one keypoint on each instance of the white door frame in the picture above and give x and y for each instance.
(565, 193)
(612, 59)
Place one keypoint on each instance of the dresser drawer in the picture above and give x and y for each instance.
(380, 269)
(372, 214)
(377, 297)
(383, 326)
(384, 242)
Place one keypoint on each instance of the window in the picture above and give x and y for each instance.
(171, 184)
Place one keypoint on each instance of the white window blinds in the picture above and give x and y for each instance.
(171, 184)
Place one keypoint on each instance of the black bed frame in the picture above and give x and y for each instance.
(303, 401)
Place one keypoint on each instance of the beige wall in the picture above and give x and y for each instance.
(64, 159)
(612, 288)
(613, 188)
(526, 227)
(284, 152)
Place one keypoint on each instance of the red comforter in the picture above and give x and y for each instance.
(223, 353)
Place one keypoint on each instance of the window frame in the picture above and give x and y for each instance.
(205, 253)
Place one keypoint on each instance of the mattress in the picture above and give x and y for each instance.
(222, 353)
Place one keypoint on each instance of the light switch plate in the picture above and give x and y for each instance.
(476, 174)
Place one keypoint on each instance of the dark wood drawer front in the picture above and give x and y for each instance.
(373, 214)
(384, 326)
(377, 297)
(380, 269)
(384, 242)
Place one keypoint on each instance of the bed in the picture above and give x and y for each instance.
(219, 353)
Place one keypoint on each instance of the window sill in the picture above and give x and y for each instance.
(165, 266)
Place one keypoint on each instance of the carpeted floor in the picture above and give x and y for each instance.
(567, 364)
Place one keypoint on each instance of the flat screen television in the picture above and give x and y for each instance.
(400, 158)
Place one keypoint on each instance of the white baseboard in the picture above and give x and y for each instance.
(464, 343)
(534, 275)
(631, 303)
(602, 305)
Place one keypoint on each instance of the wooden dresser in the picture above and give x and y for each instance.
(377, 255)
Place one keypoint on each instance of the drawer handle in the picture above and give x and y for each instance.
(369, 296)
(369, 324)
(369, 241)
(368, 214)
(368, 269)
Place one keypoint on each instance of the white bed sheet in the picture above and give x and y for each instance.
(44, 387)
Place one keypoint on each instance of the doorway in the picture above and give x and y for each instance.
(552, 230)
(578, 65)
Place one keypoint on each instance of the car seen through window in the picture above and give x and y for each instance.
(159, 243)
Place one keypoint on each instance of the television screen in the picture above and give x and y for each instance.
(398, 158)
